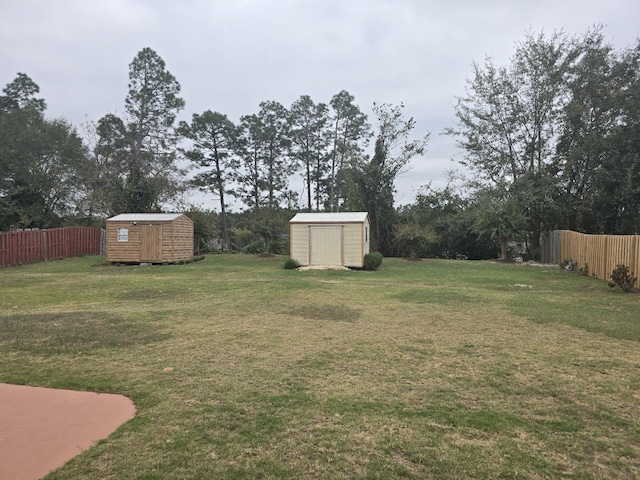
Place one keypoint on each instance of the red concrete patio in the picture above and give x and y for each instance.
(41, 429)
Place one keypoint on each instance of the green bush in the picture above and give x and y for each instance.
(255, 247)
(291, 264)
(372, 260)
(277, 246)
(622, 277)
(241, 237)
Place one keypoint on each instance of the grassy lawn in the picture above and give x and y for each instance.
(241, 369)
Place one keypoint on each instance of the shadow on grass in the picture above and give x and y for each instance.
(334, 313)
(441, 295)
(615, 320)
(72, 332)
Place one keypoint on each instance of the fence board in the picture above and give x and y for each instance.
(30, 246)
(598, 254)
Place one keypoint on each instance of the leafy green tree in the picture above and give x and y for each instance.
(448, 212)
(261, 231)
(373, 181)
(276, 139)
(412, 238)
(19, 94)
(350, 134)
(617, 178)
(106, 171)
(497, 216)
(309, 142)
(205, 228)
(42, 161)
(588, 120)
(263, 144)
(249, 148)
(213, 136)
(559, 125)
(508, 121)
(142, 147)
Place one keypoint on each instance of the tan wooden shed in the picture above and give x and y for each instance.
(149, 238)
(330, 238)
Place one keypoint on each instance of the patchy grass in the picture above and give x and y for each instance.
(73, 332)
(433, 369)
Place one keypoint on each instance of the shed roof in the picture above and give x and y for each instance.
(144, 217)
(335, 217)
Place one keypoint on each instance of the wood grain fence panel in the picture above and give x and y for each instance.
(619, 252)
(66, 243)
(75, 241)
(596, 255)
(635, 261)
(572, 246)
(30, 246)
(53, 244)
(4, 249)
(600, 254)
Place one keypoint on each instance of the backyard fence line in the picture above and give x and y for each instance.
(596, 255)
(31, 246)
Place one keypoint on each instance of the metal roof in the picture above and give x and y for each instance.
(144, 217)
(336, 217)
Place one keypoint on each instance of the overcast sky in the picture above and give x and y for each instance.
(230, 55)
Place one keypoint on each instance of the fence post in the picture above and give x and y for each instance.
(632, 260)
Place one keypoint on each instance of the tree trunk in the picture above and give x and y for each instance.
(223, 222)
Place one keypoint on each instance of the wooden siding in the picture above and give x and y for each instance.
(151, 241)
(126, 252)
(180, 242)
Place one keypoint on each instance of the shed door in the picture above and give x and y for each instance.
(325, 245)
(151, 243)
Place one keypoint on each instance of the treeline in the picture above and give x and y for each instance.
(552, 140)
(141, 161)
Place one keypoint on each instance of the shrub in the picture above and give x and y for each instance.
(291, 264)
(622, 277)
(277, 246)
(255, 247)
(241, 237)
(584, 270)
(372, 260)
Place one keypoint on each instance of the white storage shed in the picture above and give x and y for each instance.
(330, 238)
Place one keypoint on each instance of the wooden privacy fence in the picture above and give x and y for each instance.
(31, 246)
(598, 254)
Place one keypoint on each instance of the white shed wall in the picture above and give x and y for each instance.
(299, 242)
(353, 243)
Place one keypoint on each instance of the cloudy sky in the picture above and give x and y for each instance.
(229, 55)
